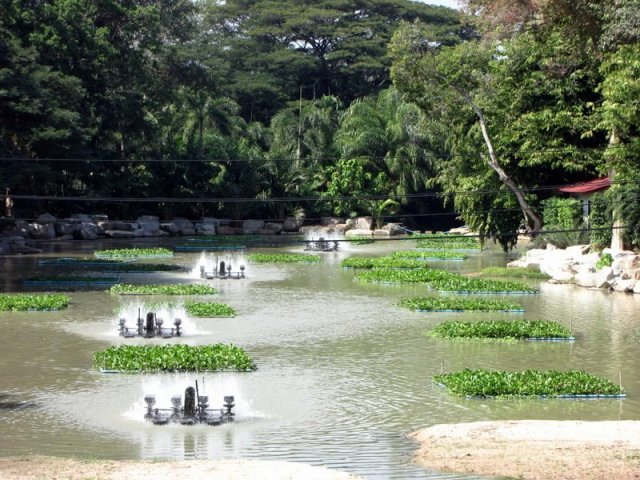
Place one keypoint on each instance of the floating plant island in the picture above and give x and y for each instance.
(173, 358)
(383, 262)
(282, 258)
(456, 304)
(444, 281)
(529, 383)
(209, 310)
(82, 262)
(503, 329)
(134, 253)
(142, 267)
(514, 272)
(430, 255)
(71, 280)
(163, 289)
(447, 242)
(24, 301)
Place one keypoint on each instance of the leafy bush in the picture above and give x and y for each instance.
(562, 214)
(605, 260)
(601, 221)
(551, 383)
(435, 304)
(134, 253)
(23, 301)
(209, 310)
(383, 262)
(168, 289)
(173, 358)
(430, 255)
(282, 258)
(518, 329)
(513, 272)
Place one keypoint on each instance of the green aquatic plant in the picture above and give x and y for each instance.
(360, 239)
(134, 253)
(513, 272)
(382, 262)
(209, 310)
(447, 242)
(173, 358)
(163, 289)
(457, 304)
(75, 279)
(548, 383)
(391, 275)
(141, 267)
(25, 301)
(282, 258)
(509, 329)
(430, 255)
(80, 262)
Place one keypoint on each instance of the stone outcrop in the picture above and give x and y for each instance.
(577, 264)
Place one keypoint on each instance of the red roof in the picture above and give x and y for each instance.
(587, 187)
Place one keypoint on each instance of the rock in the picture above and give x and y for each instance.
(623, 285)
(363, 223)
(340, 228)
(65, 237)
(119, 225)
(381, 232)
(88, 231)
(292, 224)
(464, 230)
(358, 233)
(251, 227)
(46, 218)
(42, 231)
(586, 279)
(64, 228)
(604, 277)
(393, 229)
(330, 221)
(120, 233)
(227, 230)
(626, 265)
(149, 224)
(170, 227)
(273, 227)
(185, 226)
(205, 228)
(578, 250)
(97, 218)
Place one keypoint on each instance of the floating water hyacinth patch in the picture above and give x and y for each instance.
(80, 262)
(501, 329)
(168, 289)
(382, 262)
(513, 272)
(209, 310)
(547, 383)
(447, 242)
(282, 258)
(134, 253)
(391, 275)
(70, 280)
(430, 255)
(23, 301)
(457, 304)
(173, 358)
(142, 267)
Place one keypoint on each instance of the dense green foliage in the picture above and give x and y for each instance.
(206, 309)
(513, 272)
(435, 304)
(168, 289)
(23, 301)
(601, 221)
(173, 358)
(605, 260)
(507, 329)
(549, 383)
(130, 253)
(383, 262)
(447, 242)
(282, 258)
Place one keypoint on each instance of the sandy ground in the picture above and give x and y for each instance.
(533, 449)
(51, 468)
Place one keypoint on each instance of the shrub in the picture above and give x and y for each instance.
(168, 289)
(23, 301)
(601, 221)
(605, 260)
(173, 358)
(549, 383)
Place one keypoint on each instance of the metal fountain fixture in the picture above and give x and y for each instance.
(195, 409)
(321, 245)
(149, 328)
(222, 270)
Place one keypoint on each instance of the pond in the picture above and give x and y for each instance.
(343, 373)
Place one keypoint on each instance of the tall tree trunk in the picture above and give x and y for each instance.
(533, 221)
(617, 242)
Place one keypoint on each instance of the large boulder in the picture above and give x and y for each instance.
(393, 229)
(121, 233)
(46, 218)
(185, 226)
(620, 285)
(604, 277)
(42, 231)
(356, 232)
(64, 228)
(228, 230)
(170, 227)
(251, 227)
(88, 231)
(626, 265)
(363, 223)
(273, 227)
(149, 224)
(292, 224)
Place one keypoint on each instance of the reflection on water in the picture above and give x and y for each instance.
(343, 373)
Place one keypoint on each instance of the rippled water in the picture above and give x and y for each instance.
(344, 375)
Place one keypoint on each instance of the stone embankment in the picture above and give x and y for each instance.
(20, 236)
(579, 264)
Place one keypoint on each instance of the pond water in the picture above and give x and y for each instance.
(343, 374)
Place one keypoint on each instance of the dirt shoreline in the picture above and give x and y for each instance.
(46, 468)
(533, 449)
